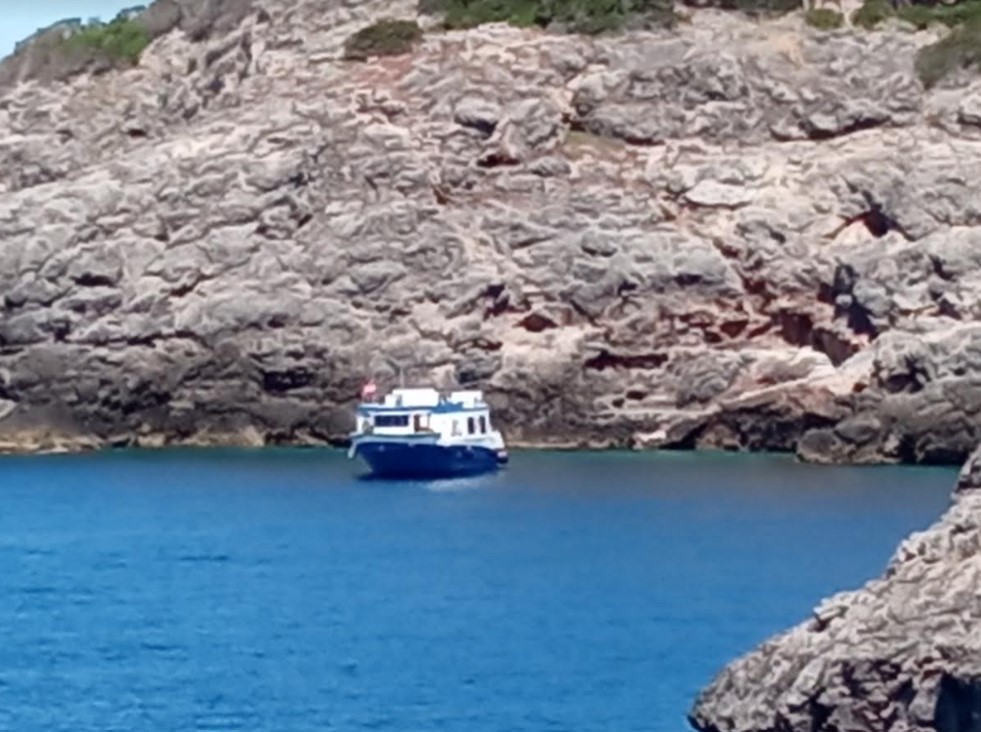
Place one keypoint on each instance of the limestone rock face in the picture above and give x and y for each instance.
(737, 234)
(902, 653)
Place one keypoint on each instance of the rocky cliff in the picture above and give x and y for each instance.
(734, 233)
(902, 653)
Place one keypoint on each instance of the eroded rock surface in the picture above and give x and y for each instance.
(736, 234)
(902, 653)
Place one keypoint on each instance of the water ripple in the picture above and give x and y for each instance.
(216, 558)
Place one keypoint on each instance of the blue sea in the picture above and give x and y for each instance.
(275, 591)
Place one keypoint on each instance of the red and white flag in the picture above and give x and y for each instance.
(369, 390)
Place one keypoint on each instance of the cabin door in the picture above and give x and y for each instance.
(417, 423)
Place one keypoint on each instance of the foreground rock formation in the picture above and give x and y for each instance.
(902, 653)
(737, 234)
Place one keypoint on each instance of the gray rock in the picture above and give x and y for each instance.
(479, 113)
(969, 111)
(718, 195)
(899, 654)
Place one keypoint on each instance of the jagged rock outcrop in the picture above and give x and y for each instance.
(902, 653)
(737, 234)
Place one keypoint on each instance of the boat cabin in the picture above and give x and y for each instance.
(406, 412)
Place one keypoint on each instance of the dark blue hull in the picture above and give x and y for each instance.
(401, 460)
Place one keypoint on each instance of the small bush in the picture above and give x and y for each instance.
(384, 38)
(919, 15)
(960, 49)
(123, 39)
(824, 18)
(761, 8)
(923, 16)
(576, 16)
(872, 13)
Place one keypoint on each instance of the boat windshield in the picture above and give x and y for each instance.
(391, 420)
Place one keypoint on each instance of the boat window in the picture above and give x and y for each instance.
(483, 425)
(391, 420)
(470, 426)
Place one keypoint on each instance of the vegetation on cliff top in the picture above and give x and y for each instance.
(874, 12)
(577, 16)
(871, 13)
(760, 8)
(122, 40)
(824, 18)
(387, 37)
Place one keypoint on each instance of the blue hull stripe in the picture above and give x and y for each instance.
(402, 460)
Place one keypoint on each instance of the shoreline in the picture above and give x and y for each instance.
(48, 444)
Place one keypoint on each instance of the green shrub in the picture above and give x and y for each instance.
(761, 7)
(919, 15)
(385, 38)
(577, 16)
(824, 18)
(922, 16)
(872, 13)
(121, 40)
(960, 49)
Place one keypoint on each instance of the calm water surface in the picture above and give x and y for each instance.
(272, 591)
